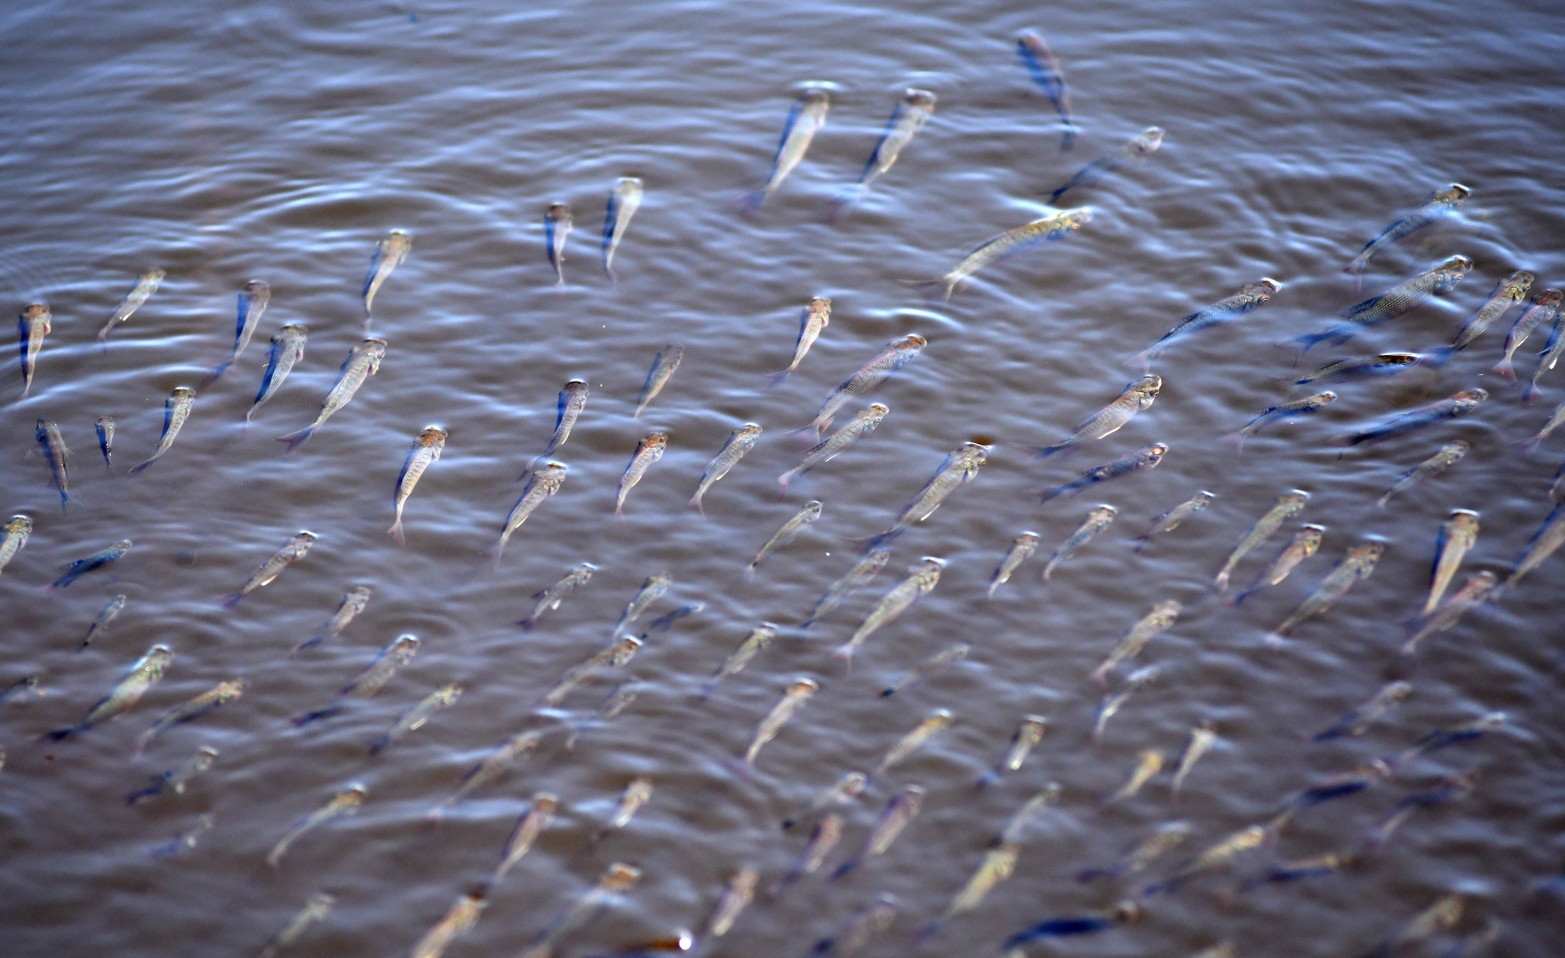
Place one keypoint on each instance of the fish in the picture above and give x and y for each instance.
(346, 802)
(1057, 225)
(1355, 566)
(1440, 203)
(933, 724)
(549, 599)
(1099, 519)
(1250, 297)
(1138, 856)
(1507, 293)
(32, 326)
(1457, 535)
(1531, 443)
(736, 895)
(896, 354)
(314, 910)
(841, 792)
(389, 254)
(176, 779)
(1148, 764)
(1022, 548)
(426, 449)
(1202, 738)
(145, 286)
(1550, 358)
(804, 121)
(998, 864)
(1147, 457)
(573, 399)
(142, 675)
(794, 696)
(1449, 455)
(287, 349)
(1316, 866)
(1140, 146)
(529, 826)
(21, 687)
(649, 450)
(1125, 911)
(1218, 856)
(739, 442)
(1171, 520)
(1358, 719)
(912, 111)
(176, 409)
(541, 484)
(370, 680)
(957, 469)
(59, 457)
(816, 315)
(1305, 543)
(1114, 701)
(638, 791)
(1544, 543)
(624, 200)
(459, 919)
(212, 699)
(557, 224)
(1440, 916)
(898, 814)
(297, 547)
(415, 717)
(1451, 789)
(1544, 308)
(616, 654)
(79, 567)
(1475, 591)
(1459, 404)
(105, 428)
(1045, 71)
(936, 663)
(667, 620)
(827, 833)
(1014, 829)
(1147, 628)
(864, 421)
(17, 530)
(1307, 406)
(617, 878)
(870, 920)
(1110, 419)
(1027, 735)
(919, 580)
(663, 366)
(493, 766)
(1399, 299)
(617, 701)
(1385, 364)
(1446, 737)
(254, 296)
(650, 591)
(759, 638)
(348, 608)
(1288, 505)
(867, 568)
(363, 362)
(186, 839)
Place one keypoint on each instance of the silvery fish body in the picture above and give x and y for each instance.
(911, 113)
(864, 421)
(1173, 518)
(1022, 548)
(1045, 70)
(573, 399)
(897, 353)
(296, 548)
(541, 484)
(1141, 145)
(1142, 459)
(648, 451)
(1288, 505)
(663, 366)
(425, 451)
(253, 299)
(624, 200)
(389, 254)
(1457, 535)
(1111, 418)
(346, 802)
(1052, 227)
(1091, 527)
(33, 325)
(141, 676)
(786, 532)
(363, 362)
(920, 579)
(176, 409)
(557, 223)
(1440, 203)
(1460, 404)
(816, 316)
(146, 285)
(59, 457)
(1356, 565)
(1507, 293)
(804, 121)
(739, 442)
(1304, 544)
(550, 598)
(348, 608)
(287, 349)
(17, 529)
(1448, 455)
(1394, 302)
(1250, 296)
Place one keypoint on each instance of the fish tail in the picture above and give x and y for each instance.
(61, 734)
(1528, 446)
(1530, 394)
(379, 744)
(844, 869)
(1222, 580)
(1068, 138)
(695, 503)
(296, 439)
(1438, 357)
(212, 377)
(305, 718)
(1054, 198)
(232, 599)
(1505, 368)
(845, 653)
(138, 467)
(528, 624)
(1357, 266)
(1140, 542)
(775, 379)
(396, 533)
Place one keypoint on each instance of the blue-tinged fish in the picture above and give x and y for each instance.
(616, 879)
(1545, 542)
(146, 285)
(176, 779)
(557, 223)
(541, 484)
(286, 350)
(668, 619)
(814, 319)
(1251, 296)
(363, 362)
(1544, 308)
(80, 567)
(897, 815)
(1459, 404)
(1045, 71)
(528, 827)
(1138, 147)
(1475, 591)
(870, 920)
(1300, 869)
(348, 608)
(911, 113)
(1328, 789)
(624, 200)
(212, 699)
(370, 680)
(1110, 419)
(549, 599)
(1051, 227)
(345, 802)
(651, 590)
(1457, 536)
(1448, 736)
(739, 442)
(1125, 911)
(919, 581)
(1449, 455)
(426, 449)
(1358, 719)
(186, 839)
(573, 399)
(105, 428)
(389, 254)
(957, 469)
(804, 121)
(1115, 700)
(1307, 406)
(1098, 520)
(1556, 419)
(1507, 293)
(297, 547)
(1394, 302)
(141, 676)
(176, 409)
(1355, 566)
(17, 530)
(617, 654)
(663, 366)
(617, 701)
(1147, 457)
(1551, 357)
(1386, 364)
(32, 326)
(648, 451)
(58, 457)
(1448, 790)
(253, 298)
(1440, 203)
(896, 354)
(1216, 857)
(934, 665)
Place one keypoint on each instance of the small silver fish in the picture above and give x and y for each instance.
(1355, 565)
(389, 254)
(493, 766)
(1449, 455)
(1138, 856)
(616, 654)
(1099, 519)
(738, 893)
(573, 399)
(176, 779)
(1307, 406)
(348, 608)
(17, 529)
(933, 724)
(1045, 70)
(296, 548)
(1474, 591)
(32, 326)
(1507, 293)
(939, 662)
(59, 457)
(957, 469)
(912, 111)
(651, 590)
(1358, 719)
(1544, 309)
(864, 421)
(1440, 916)
(287, 349)
(1216, 857)
(1288, 505)
(1457, 535)
(1449, 735)
(1545, 542)
(142, 675)
(1022, 818)
(663, 366)
(528, 827)
(370, 680)
(1305, 543)
(1148, 764)
(1459, 404)
(1440, 203)
(186, 839)
(918, 581)
(619, 700)
(638, 791)
(1384, 364)
(1111, 418)
(804, 121)
(794, 696)
(667, 620)
(624, 200)
(77, 568)
(557, 222)
(816, 316)
(827, 833)
(1022, 548)
(870, 920)
(739, 442)
(1028, 733)
(854, 579)
(786, 532)
(416, 716)
(1052, 227)
(146, 285)
(898, 814)
(549, 599)
(1173, 518)
(1114, 701)
(319, 905)
(649, 450)
(426, 449)
(896, 354)
(176, 409)
(541, 484)
(841, 792)
(1251, 296)
(105, 428)
(998, 864)
(617, 878)
(1138, 147)
(345, 802)
(214, 698)
(1202, 738)
(1394, 302)
(1147, 628)
(363, 362)
(1556, 419)
(1147, 457)
(253, 299)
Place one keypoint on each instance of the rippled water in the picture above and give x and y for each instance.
(283, 141)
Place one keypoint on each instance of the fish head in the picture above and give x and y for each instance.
(619, 876)
(1148, 386)
(1153, 454)
(912, 341)
(559, 213)
(546, 803)
(38, 316)
(431, 436)
(803, 686)
(820, 306)
(919, 98)
(1125, 911)
(811, 510)
(656, 441)
(1265, 287)
(303, 537)
(815, 96)
(1147, 141)
(19, 524)
(1471, 397)
(404, 644)
(1293, 498)
(1453, 194)
(1102, 513)
(233, 688)
(153, 275)
(1518, 283)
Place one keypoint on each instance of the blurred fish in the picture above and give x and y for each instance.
(415, 717)
(348, 608)
(1358, 719)
(1091, 527)
(1333, 787)
(17, 529)
(759, 638)
(663, 366)
(912, 111)
(897, 353)
(1138, 147)
(1386, 364)
(1475, 591)
(1114, 701)
(368, 683)
(998, 864)
(105, 428)
(1440, 916)
(1307, 406)
(919, 580)
(176, 779)
(1147, 457)
(363, 362)
(212, 699)
(1171, 520)
(1214, 858)
(933, 724)
(1551, 357)
(426, 449)
(77, 568)
(624, 200)
(1148, 764)
(541, 484)
(314, 910)
(389, 254)
(1448, 736)
(1022, 548)
(1544, 308)
(1448, 790)
(804, 120)
(957, 469)
(1305, 543)
(22, 686)
(1531, 443)
(253, 298)
(1137, 856)
(1457, 535)
(1288, 505)
(1149, 627)
(1111, 418)
(1316, 866)
(186, 839)
(1016, 827)
(1399, 299)
(1440, 202)
(841, 792)
(870, 920)
(1052, 227)
(638, 791)
(827, 833)
(573, 399)
(1125, 911)
(794, 696)
(1045, 70)
(145, 286)
(493, 766)
(899, 812)
(617, 701)
(935, 664)
(549, 599)
(528, 827)
(296, 548)
(667, 620)
(817, 314)
(1450, 454)
(459, 919)
(32, 326)
(739, 442)
(58, 456)
(176, 409)
(651, 590)
(1460, 404)
(1202, 738)
(649, 450)
(736, 896)
(1507, 293)
(617, 878)
(829, 448)
(1354, 566)
(1251, 296)
(854, 579)
(1545, 542)
(286, 350)
(126, 692)
(1027, 735)
(557, 223)
(615, 655)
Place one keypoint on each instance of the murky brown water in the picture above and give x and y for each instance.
(283, 144)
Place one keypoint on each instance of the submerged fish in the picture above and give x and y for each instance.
(146, 285)
(1399, 299)
(854, 579)
(1147, 628)
(999, 864)
(370, 680)
(426, 449)
(638, 791)
(1307, 406)
(624, 200)
(793, 699)
(1138, 147)
(296, 548)
(141, 676)
(557, 223)
(176, 779)
(1450, 789)
(1288, 505)
(105, 428)
(416, 716)
(618, 877)
(1027, 735)
(253, 298)
(833, 445)
(213, 698)
(897, 353)
(1450, 735)
(1457, 535)
(549, 599)
(933, 724)
(619, 700)
(667, 620)
(1474, 591)
(1385, 364)
(841, 792)
(348, 608)
(79, 567)
(935, 664)
(389, 254)
(804, 121)
(663, 366)
(616, 654)
(286, 350)
(1214, 858)
(1545, 542)
(1441, 202)
(1147, 457)
(1148, 764)
(827, 833)
(314, 910)
(912, 111)
(573, 399)
(1507, 293)
(345, 802)
(1091, 527)
(1354, 566)
(1358, 719)
(541, 484)
(1112, 702)
(528, 827)
(1202, 738)
(1460, 404)
(59, 457)
(870, 920)
(1052, 227)
(650, 591)
(816, 316)
(1125, 911)
(898, 814)
(1111, 418)
(1450, 454)
(1137, 856)
(649, 450)
(176, 409)
(186, 839)
(786, 532)
(1045, 70)
(1544, 308)
(1022, 548)
(1440, 916)
(363, 362)
(493, 766)
(1305, 543)
(1014, 829)
(920, 579)
(17, 529)
(1551, 357)
(739, 442)
(959, 468)
(736, 895)
(1173, 518)
(759, 638)
(32, 326)
(1250, 296)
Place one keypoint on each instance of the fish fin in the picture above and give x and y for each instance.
(695, 503)
(1049, 493)
(296, 439)
(845, 653)
(528, 624)
(775, 379)
(213, 376)
(396, 533)
(305, 718)
(232, 599)
(1505, 368)
(1527, 446)
(1530, 394)
(1356, 268)
(138, 467)
(1068, 138)
(844, 203)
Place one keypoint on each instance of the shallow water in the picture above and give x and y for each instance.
(283, 144)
